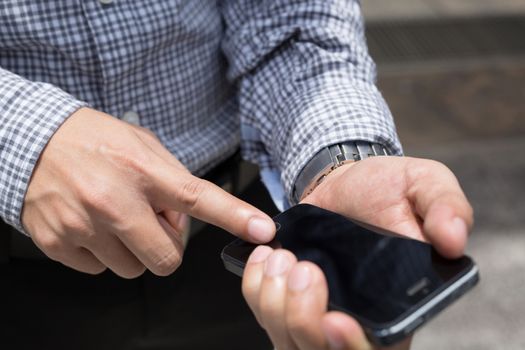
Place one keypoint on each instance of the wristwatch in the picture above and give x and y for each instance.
(328, 159)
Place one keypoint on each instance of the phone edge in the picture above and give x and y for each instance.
(408, 325)
(233, 265)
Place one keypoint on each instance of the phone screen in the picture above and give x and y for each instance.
(376, 277)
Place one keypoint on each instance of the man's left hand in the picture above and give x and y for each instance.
(417, 198)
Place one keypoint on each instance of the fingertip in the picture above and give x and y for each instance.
(343, 332)
(304, 275)
(455, 235)
(259, 254)
(300, 278)
(261, 229)
(318, 277)
(279, 263)
(446, 230)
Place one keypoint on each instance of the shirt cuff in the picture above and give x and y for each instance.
(340, 112)
(30, 113)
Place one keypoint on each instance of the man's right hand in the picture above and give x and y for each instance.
(107, 194)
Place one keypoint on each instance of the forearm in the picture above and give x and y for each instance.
(306, 81)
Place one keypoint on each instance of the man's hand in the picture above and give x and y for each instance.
(289, 300)
(414, 197)
(418, 198)
(107, 194)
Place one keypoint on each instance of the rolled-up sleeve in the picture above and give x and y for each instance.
(305, 81)
(30, 113)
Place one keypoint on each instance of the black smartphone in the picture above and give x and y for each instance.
(390, 284)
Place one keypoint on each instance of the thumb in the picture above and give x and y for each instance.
(174, 189)
(440, 202)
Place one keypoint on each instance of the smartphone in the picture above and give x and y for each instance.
(390, 284)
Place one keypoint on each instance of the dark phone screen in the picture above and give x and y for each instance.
(376, 277)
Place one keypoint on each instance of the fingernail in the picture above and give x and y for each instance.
(259, 254)
(459, 227)
(335, 340)
(276, 264)
(299, 278)
(261, 229)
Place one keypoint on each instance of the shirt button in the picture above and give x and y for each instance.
(131, 117)
(105, 2)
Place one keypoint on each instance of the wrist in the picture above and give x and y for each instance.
(329, 177)
(330, 158)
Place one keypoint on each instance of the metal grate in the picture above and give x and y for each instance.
(435, 39)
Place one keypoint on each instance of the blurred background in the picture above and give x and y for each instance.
(453, 73)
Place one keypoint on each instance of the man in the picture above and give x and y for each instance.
(94, 192)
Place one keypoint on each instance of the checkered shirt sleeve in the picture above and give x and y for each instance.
(305, 81)
(29, 115)
(298, 77)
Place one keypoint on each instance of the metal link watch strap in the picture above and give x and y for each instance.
(330, 158)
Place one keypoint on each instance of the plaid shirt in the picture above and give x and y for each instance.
(282, 78)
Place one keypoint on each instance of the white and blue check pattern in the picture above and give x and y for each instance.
(283, 78)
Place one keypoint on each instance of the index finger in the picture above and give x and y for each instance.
(183, 192)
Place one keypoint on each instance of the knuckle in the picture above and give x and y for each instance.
(191, 193)
(420, 169)
(136, 163)
(102, 199)
(134, 160)
(167, 264)
(434, 166)
(417, 170)
(51, 245)
(97, 195)
(73, 222)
